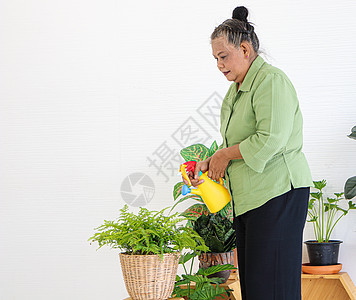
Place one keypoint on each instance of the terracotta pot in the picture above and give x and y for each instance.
(207, 260)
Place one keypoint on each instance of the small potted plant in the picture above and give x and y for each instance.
(201, 285)
(325, 215)
(350, 185)
(151, 244)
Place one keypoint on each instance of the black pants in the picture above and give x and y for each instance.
(269, 247)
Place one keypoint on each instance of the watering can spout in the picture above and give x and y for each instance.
(185, 190)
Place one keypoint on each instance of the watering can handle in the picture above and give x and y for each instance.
(221, 181)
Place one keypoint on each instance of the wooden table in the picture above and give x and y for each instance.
(328, 287)
(314, 287)
(168, 299)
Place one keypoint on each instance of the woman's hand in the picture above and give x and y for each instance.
(202, 166)
(218, 164)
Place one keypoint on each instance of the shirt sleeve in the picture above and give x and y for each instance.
(274, 104)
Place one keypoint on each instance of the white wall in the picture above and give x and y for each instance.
(91, 90)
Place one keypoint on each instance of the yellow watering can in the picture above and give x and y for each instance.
(214, 195)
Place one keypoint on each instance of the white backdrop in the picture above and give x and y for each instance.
(94, 91)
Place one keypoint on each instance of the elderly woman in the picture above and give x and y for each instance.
(262, 161)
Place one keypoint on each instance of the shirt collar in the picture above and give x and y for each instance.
(251, 74)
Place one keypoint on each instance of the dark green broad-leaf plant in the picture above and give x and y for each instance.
(326, 213)
(217, 232)
(350, 185)
(147, 233)
(197, 152)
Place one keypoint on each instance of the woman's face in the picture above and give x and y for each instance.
(231, 61)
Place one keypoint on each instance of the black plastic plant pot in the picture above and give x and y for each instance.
(323, 254)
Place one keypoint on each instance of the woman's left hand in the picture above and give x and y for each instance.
(218, 164)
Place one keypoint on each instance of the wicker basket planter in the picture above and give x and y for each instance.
(147, 277)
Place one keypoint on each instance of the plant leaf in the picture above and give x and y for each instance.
(311, 203)
(213, 148)
(316, 195)
(227, 212)
(320, 184)
(182, 281)
(214, 269)
(186, 257)
(352, 135)
(196, 152)
(177, 190)
(314, 219)
(196, 278)
(331, 200)
(350, 188)
(195, 211)
(208, 293)
(352, 205)
(216, 231)
(191, 196)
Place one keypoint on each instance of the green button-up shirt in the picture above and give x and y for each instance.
(264, 117)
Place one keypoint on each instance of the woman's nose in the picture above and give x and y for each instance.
(219, 64)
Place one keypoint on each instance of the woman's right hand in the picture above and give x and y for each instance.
(202, 166)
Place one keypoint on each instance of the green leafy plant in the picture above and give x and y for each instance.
(148, 232)
(216, 231)
(325, 214)
(199, 286)
(197, 152)
(350, 184)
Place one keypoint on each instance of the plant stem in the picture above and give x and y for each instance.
(336, 223)
(191, 267)
(328, 224)
(185, 270)
(321, 207)
(190, 273)
(331, 216)
(317, 231)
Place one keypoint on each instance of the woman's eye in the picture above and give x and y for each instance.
(222, 57)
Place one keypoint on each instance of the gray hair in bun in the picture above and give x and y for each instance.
(238, 29)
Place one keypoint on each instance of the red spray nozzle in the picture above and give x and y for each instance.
(190, 166)
(187, 167)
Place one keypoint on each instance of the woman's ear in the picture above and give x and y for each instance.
(246, 49)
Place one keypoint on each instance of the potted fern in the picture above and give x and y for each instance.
(151, 244)
(325, 213)
(220, 235)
